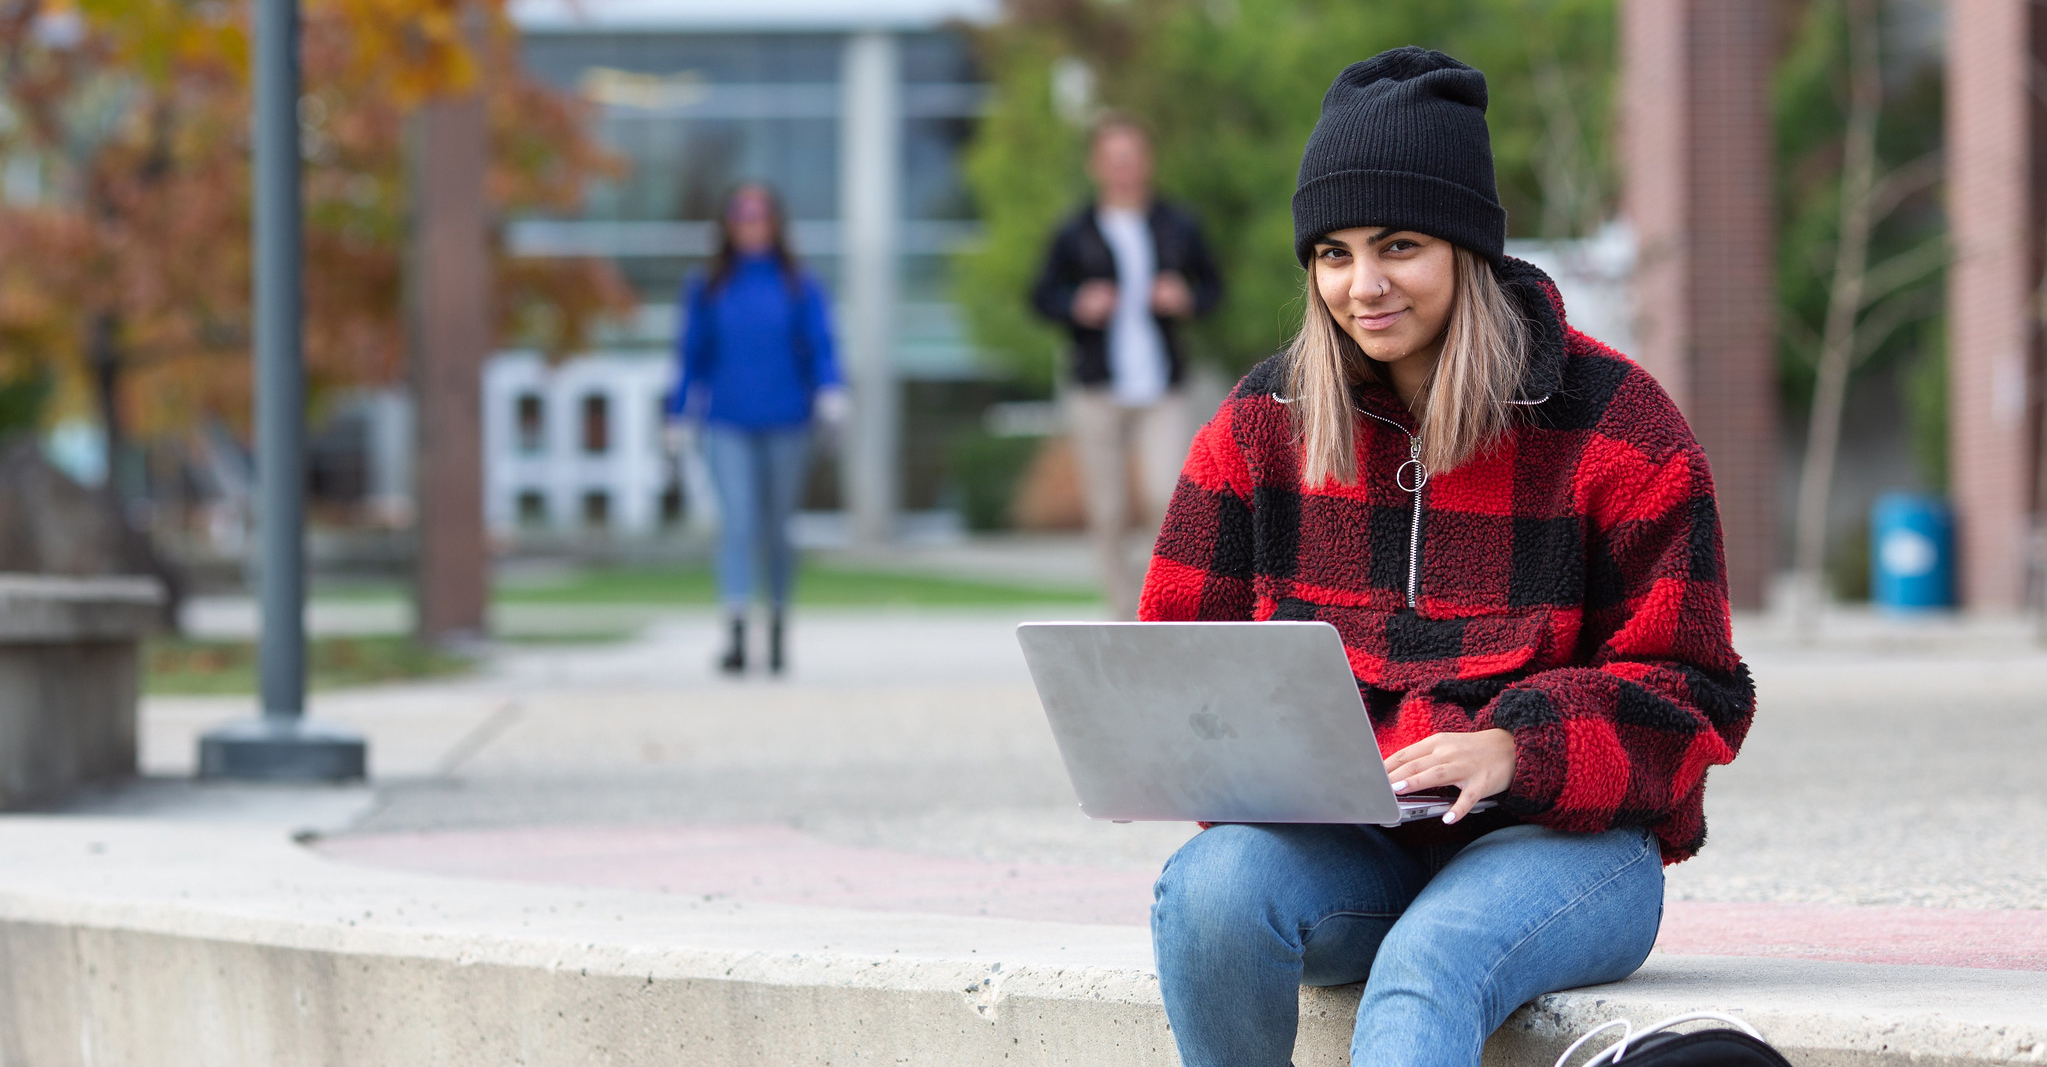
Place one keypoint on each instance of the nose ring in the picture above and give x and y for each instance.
(1382, 287)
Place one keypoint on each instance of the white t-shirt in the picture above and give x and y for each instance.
(1138, 371)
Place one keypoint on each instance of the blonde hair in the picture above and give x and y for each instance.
(1463, 409)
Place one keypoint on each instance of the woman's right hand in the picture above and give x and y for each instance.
(677, 436)
(833, 406)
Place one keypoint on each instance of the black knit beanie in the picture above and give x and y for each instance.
(1402, 142)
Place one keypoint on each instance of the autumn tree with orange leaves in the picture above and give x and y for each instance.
(124, 196)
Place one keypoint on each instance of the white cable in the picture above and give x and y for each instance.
(1627, 1028)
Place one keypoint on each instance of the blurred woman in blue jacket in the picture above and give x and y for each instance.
(756, 370)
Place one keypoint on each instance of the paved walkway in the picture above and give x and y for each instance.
(1888, 807)
(774, 864)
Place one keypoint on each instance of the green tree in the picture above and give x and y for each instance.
(1231, 89)
(1811, 105)
(126, 273)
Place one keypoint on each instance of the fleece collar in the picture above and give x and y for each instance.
(1542, 308)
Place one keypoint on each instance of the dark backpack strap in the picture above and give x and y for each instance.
(1718, 1047)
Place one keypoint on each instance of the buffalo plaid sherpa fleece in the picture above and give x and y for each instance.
(1570, 589)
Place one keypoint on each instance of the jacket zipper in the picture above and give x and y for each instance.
(1414, 533)
(1420, 477)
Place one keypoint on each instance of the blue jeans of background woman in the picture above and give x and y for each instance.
(1447, 947)
(759, 476)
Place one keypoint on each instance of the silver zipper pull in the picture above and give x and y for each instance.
(1414, 531)
(1421, 470)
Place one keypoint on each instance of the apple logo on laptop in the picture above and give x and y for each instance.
(1209, 726)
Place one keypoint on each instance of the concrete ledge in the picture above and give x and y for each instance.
(152, 943)
(53, 609)
(69, 675)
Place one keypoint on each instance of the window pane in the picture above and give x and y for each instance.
(531, 420)
(532, 509)
(933, 186)
(596, 424)
(714, 58)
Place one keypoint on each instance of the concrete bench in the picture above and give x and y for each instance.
(69, 672)
(152, 942)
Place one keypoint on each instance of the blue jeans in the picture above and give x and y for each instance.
(1246, 915)
(759, 479)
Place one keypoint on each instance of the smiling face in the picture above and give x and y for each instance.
(1391, 291)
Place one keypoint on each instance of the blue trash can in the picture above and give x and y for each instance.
(1911, 552)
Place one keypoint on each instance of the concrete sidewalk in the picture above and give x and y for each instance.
(1899, 781)
(1884, 819)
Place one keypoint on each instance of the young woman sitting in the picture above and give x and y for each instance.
(1514, 532)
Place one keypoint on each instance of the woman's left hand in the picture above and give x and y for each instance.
(833, 405)
(1478, 764)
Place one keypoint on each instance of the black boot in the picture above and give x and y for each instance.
(734, 661)
(776, 662)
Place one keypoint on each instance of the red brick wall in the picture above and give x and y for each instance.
(451, 335)
(1696, 159)
(1654, 153)
(1992, 124)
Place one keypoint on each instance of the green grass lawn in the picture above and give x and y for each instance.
(817, 586)
(173, 665)
(176, 665)
(693, 586)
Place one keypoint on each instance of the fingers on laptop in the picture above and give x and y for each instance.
(1423, 765)
(1422, 776)
(1426, 764)
(1479, 765)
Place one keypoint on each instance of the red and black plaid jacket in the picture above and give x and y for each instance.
(1571, 587)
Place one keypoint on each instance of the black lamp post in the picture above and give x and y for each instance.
(280, 744)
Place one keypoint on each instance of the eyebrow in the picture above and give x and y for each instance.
(1332, 241)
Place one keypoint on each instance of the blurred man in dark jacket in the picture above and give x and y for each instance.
(1120, 275)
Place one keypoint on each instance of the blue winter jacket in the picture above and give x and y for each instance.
(759, 345)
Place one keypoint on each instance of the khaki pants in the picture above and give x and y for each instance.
(1104, 435)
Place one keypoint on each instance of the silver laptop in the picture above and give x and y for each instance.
(1213, 722)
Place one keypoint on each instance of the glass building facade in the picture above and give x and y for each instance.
(694, 113)
(697, 96)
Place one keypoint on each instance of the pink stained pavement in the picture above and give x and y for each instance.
(775, 864)
(764, 863)
(1938, 937)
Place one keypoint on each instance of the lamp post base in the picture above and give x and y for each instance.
(283, 750)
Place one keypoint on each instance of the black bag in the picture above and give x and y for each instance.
(1659, 1046)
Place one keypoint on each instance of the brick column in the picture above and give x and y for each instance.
(1696, 162)
(451, 333)
(1993, 141)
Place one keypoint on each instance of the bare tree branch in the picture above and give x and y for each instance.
(1844, 302)
(1890, 316)
(1902, 270)
(1906, 181)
